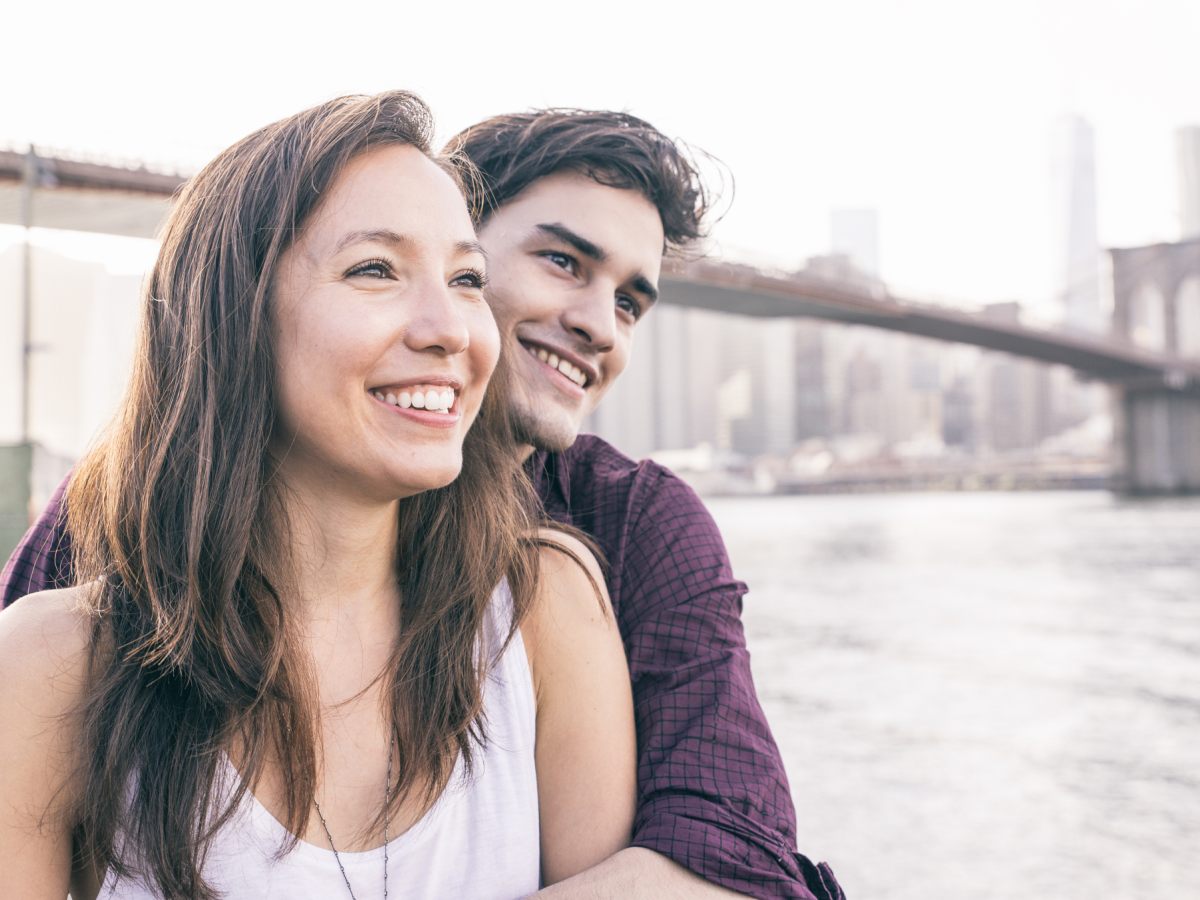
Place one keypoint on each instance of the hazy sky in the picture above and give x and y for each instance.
(936, 112)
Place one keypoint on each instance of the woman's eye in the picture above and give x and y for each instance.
(470, 279)
(372, 268)
(629, 306)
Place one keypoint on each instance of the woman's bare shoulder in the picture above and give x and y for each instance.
(43, 664)
(568, 565)
(572, 613)
(44, 641)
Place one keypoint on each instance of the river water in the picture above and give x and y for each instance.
(982, 695)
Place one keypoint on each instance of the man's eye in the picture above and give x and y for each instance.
(562, 260)
(630, 306)
(372, 268)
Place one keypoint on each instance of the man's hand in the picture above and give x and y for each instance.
(633, 874)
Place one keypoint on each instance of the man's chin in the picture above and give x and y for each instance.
(544, 433)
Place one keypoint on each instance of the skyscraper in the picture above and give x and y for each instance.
(1076, 244)
(1187, 142)
(855, 233)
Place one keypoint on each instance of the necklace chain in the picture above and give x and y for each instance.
(387, 802)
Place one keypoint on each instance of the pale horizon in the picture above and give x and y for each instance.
(939, 115)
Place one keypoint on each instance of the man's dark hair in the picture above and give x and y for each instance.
(615, 149)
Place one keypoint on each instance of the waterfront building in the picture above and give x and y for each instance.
(703, 377)
(82, 333)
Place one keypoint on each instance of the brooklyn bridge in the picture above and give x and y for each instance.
(1155, 382)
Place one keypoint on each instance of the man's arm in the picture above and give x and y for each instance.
(713, 795)
(42, 561)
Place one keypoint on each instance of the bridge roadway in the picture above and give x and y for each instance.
(1157, 409)
(128, 200)
(747, 291)
(81, 195)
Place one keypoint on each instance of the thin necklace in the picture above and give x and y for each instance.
(387, 800)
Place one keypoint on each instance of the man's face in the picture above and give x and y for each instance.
(572, 267)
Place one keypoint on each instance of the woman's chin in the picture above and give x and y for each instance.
(427, 477)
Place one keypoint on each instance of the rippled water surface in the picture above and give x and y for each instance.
(982, 695)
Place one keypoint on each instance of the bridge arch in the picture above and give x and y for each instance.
(1148, 317)
(1187, 318)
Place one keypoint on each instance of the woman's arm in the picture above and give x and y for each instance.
(43, 644)
(586, 748)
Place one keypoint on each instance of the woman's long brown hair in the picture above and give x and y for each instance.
(179, 531)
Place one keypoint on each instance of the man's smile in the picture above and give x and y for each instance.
(566, 364)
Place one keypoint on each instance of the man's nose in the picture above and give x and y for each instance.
(592, 317)
(437, 323)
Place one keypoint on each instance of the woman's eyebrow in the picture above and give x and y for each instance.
(399, 241)
(471, 247)
(373, 236)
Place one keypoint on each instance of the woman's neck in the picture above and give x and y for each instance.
(343, 557)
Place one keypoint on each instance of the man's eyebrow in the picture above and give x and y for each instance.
(642, 284)
(639, 283)
(578, 241)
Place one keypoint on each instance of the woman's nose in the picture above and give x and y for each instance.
(437, 324)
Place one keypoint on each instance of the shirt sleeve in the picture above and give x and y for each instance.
(42, 561)
(713, 793)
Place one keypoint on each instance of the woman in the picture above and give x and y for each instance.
(313, 613)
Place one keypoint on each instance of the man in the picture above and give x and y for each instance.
(576, 210)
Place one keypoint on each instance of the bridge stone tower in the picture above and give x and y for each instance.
(1156, 307)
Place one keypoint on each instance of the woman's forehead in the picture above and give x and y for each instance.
(395, 189)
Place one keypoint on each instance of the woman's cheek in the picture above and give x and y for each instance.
(486, 335)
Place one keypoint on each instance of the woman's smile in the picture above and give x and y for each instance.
(426, 402)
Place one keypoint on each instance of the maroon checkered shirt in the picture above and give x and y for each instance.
(713, 795)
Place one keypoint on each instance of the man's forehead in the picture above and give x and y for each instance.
(602, 219)
(569, 190)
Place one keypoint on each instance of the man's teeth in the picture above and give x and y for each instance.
(433, 400)
(552, 360)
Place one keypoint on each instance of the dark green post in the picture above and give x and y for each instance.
(16, 462)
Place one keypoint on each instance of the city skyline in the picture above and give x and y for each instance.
(894, 388)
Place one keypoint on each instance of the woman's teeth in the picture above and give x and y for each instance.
(552, 360)
(432, 399)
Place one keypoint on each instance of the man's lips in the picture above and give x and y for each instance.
(569, 366)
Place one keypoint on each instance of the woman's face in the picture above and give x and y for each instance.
(384, 341)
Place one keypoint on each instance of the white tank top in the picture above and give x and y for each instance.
(480, 839)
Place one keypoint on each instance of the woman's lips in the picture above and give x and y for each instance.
(434, 398)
